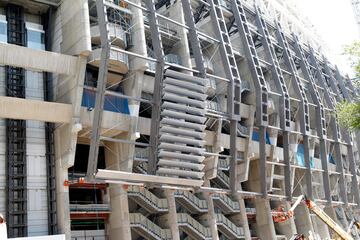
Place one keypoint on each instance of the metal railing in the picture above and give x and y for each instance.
(148, 197)
(139, 220)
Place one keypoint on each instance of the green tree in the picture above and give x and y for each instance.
(349, 112)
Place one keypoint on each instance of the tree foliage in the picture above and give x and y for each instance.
(349, 112)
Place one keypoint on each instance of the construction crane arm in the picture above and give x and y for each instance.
(283, 216)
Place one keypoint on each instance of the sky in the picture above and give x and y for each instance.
(335, 23)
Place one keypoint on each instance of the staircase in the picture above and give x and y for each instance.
(222, 180)
(141, 168)
(147, 200)
(228, 228)
(193, 228)
(225, 203)
(190, 202)
(147, 229)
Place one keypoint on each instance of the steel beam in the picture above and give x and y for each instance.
(303, 105)
(155, 114)
(284, 100)
(320, 115)
(333, 124)
(234, 85)
(100, 93)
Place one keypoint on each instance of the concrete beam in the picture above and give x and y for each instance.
(37, 60)
(26, 109)
(103, 174)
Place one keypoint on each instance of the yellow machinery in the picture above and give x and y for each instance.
(345, 235)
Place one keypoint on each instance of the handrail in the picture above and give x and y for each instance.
(137, 219)
(234, 205)
(199, 203)
(160, 204)
(237, 231)
(184, 218)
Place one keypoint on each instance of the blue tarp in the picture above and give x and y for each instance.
(301, 161)
(300, 157)
(112, 103)
(331, 159)
(255, 137)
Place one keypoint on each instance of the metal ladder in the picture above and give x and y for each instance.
(320, 115)
(303, 106)
(345, 132)
(234, 85)
(285, 116)
(16, 134)
(333, 124)
(260, 84)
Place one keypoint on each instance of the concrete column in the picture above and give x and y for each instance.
(169, 220)
(62, 194)
(182, 47)
(119, 222)
(65, 147)
(65, 142)
(330, 211)
(264, 221)
(303, 220)
(209, 219)
(287, 228)
(241, 218)
(320, 228)
(132, 84)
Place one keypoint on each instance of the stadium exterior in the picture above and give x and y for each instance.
(169, 119)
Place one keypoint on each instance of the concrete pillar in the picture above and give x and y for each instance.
(330, 211)
(209, 219)
(303, 220)
(62, 198)
(132, 84)
(287, 228)
(320, 228)
(138, 37)
(182, 47)
(264, 221)
(169, 220)
(65, 142)
(65, 147)
(241, 218)
(119, 222)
